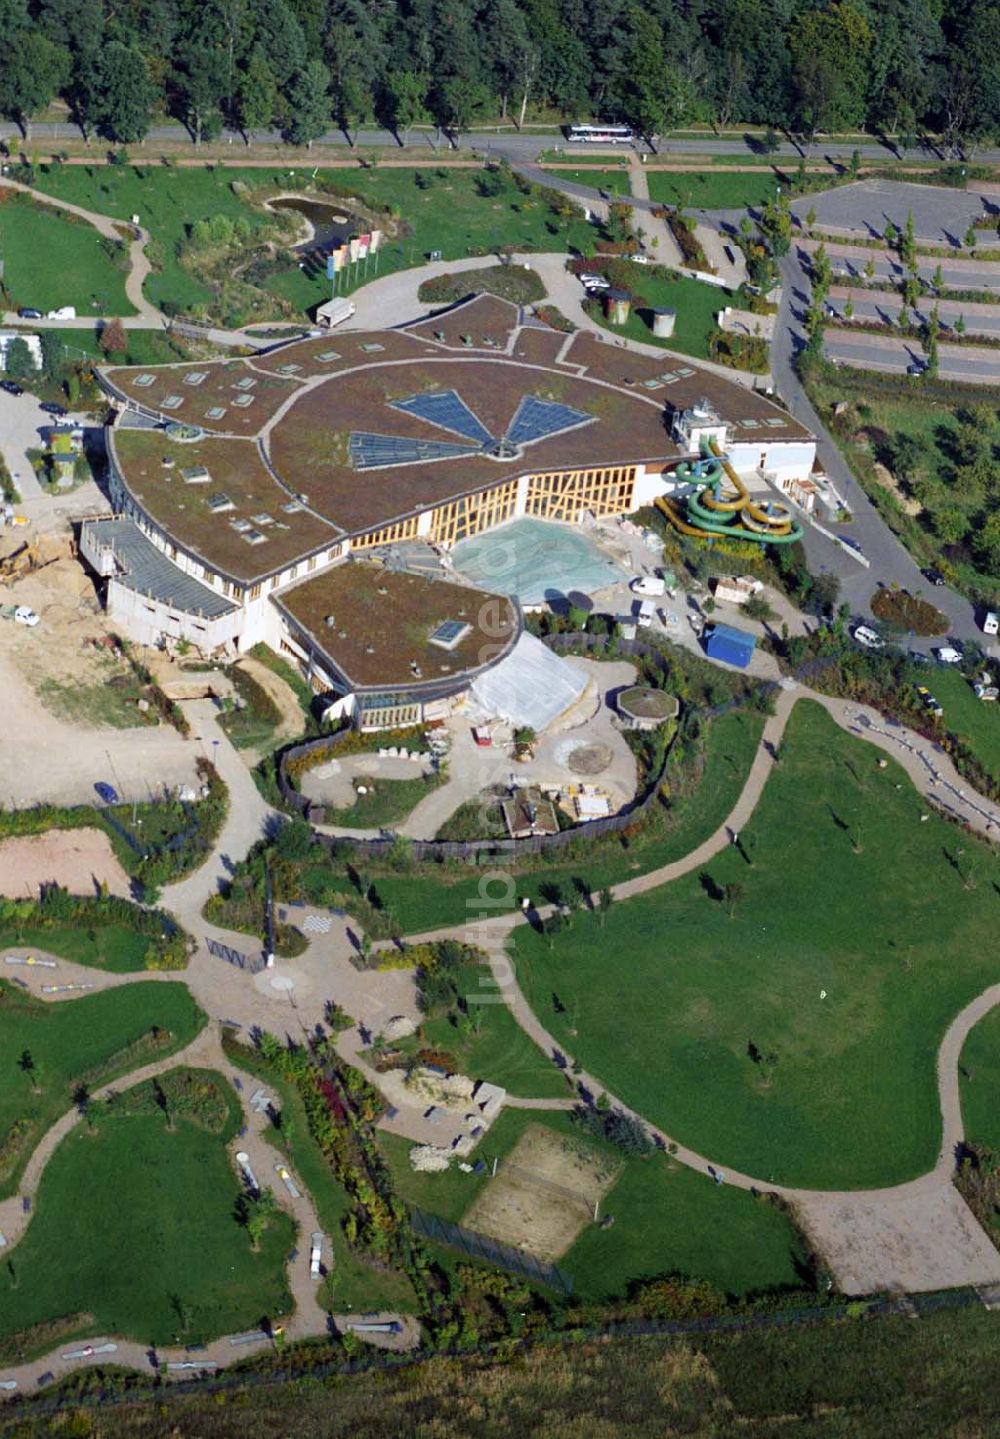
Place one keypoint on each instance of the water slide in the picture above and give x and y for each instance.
(722, 505)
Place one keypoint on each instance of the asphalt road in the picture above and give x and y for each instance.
(883, 309)
(967, 276)
(527, 145)
(890, 562)
(886, 353)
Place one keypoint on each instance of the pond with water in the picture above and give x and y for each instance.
(332, 225)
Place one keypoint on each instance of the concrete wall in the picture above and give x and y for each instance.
(785, 459)
(150, 622)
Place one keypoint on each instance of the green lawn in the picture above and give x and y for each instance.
(978, 724)
(141, 1219)
(352, 1284)
(695, 304)
(495, 1047)
(385, 802)
(601, 176)
(145, 347)
(712, 1024)
(425, 900)
(708, 190)
(979, 1082)
(115, 947)
(95, 1037)
(52, 260)
(920, 436)
(449, 214)
(667, 1218)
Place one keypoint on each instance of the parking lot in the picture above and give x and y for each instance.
(940, 216)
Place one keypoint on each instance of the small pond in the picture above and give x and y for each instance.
(331, 225)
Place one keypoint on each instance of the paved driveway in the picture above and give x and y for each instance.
(940, 216)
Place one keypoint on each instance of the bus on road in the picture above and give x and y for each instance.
(600, 134)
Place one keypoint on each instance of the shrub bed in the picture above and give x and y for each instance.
(900, 608)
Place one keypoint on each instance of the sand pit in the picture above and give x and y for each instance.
(544, 1193)
(78, 859)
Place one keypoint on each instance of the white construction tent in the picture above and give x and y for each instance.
(530, 686)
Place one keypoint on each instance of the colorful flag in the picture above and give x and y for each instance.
(376, 240)
(339, 258)
(331, 266)
(354, 248)
(364, 244)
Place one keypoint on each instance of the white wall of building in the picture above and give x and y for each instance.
(785, 459)
(150, 622)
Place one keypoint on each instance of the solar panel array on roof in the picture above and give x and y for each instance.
(371, 452)
(538, 419)
(448, 411)
(449, 632)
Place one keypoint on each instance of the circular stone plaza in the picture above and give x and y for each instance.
(311, 497)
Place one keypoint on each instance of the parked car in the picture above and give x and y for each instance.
(11, 387)
(30, 314)
(25, 615)
(594, 282)
(933, 576)
(869, 638)
(851, 544)
(51, 407)
(932, 705)
(648, 585)
(948, 655)
(107, 792)
(639, 259)
(990, 622)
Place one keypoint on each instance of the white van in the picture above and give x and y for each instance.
(644, 618)
(990, 623)
(648, 585)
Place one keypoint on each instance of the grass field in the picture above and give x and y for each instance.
(694, 303)
(422, 901)
(979, 1082)
(141, 1217)
(495, 1047)
(920, 438)
(613, 179)
(94, 1038)
(352, 1283)
(708, 1016)
(708, 190)
(884, 1377)
(145, 347)
(53, 260)
(972, 720)
(448, 214)
(667, 1218)
(385, 802)
(114, 947)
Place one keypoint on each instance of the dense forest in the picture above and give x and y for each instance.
(894, 66)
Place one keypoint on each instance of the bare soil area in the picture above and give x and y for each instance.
(544, 1194)
(80, 860)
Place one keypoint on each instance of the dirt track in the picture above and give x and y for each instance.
(78, 859)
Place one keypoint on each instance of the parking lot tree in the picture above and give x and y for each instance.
(33, 70)
(53, 354)
(256, 96)
(403, 102)
(308, 104)
(830, 51)
(113, 340)
(19, 364)
(125, 93)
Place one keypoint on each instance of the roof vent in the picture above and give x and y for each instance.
(369, 649)
(330, 621)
